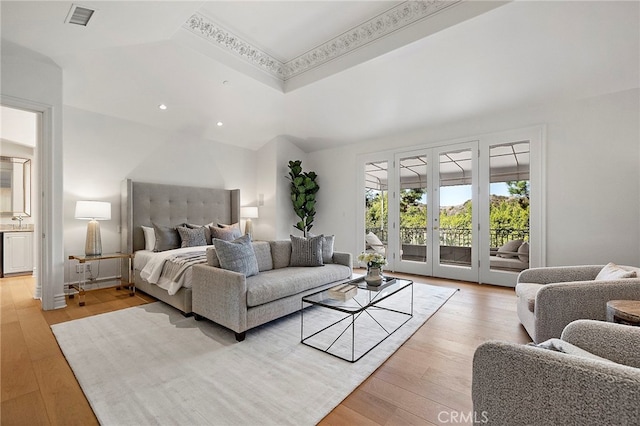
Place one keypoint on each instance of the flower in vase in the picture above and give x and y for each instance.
(373, 260)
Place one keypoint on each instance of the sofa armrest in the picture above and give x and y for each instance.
(342, 258)
(221, 296)
(616, 342)
(558, 304)
(559, 274)
(519, 384)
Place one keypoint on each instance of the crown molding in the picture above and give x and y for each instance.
(394, 19)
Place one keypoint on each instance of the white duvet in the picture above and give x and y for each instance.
(153, 262)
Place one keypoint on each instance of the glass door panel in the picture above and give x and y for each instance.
(376, 209)
(509, 206)
(455, 246)
(414, 237)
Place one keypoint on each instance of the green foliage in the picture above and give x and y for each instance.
(303, 195)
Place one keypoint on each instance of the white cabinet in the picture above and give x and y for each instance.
(17, 252)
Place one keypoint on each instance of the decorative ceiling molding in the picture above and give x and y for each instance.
(394, 19)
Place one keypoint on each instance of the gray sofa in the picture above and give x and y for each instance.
(516, 384)
(240, 303)
(550, 298)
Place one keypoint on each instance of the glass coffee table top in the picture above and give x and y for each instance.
(351, 328)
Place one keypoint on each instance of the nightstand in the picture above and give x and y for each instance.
(80, 286)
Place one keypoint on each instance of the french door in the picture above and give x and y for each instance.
(464, 210)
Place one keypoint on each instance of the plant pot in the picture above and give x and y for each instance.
(374, 276)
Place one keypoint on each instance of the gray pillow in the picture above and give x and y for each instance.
(167, 238)
(226, 234)
(510, 249)
(192, 237)
(327, 247)
(306, 251)
(237, 255)
(207, 231)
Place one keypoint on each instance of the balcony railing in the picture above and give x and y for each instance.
(457, 237)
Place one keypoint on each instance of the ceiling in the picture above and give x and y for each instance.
(456, 61)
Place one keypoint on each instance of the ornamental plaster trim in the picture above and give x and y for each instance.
(396, 18)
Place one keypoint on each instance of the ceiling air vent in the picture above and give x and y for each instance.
(79, 15)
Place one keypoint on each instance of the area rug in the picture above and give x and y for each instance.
(149, 365)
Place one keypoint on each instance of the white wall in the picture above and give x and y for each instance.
(32, 81)
(592, 176)
(102, 151)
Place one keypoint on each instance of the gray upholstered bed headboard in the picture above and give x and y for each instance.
(170, 205)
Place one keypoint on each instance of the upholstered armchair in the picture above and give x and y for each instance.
(596, 382)
(550, 298)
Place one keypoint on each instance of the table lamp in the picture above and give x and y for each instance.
(94, 211)
(248, 213)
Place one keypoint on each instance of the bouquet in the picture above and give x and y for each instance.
(373, 260)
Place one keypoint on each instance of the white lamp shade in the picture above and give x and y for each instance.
(96, 210)
(249, 212)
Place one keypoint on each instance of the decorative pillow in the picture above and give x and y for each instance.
(192, 237)
(167, 238)
(374, 242)
(558, 345)
(611, 271)
(237, 255)
(226, 234)
(280, 253)
(327, 247)
(511, 247)
(523, 252)
(212, 257)
(149, 238)
(306, 251)
(207, 231)
(233, 225)
(262, 250)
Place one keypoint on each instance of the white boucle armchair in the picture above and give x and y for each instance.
(552, 297)
(516, 384)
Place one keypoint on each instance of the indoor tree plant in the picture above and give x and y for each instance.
(303, 195)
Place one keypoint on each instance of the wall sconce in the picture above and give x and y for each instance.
(94, 211)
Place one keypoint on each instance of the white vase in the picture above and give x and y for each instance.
(374, 276)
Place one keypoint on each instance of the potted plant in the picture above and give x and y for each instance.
(303, 195)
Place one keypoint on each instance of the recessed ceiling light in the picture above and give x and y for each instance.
(219, 123)
(162, 106)
(226, 82)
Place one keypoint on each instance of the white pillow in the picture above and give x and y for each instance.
(149, 238)
(374, 242)
(611, 271)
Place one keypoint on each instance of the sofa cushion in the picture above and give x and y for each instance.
(611, 271)
(278, 283)
(306, 251)
(262, 249)
(280, 253)
(237, 255)
(527, 292)
(509, 249)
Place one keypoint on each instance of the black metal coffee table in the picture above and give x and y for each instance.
(350, 329)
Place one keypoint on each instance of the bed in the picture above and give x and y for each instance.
(143, 204)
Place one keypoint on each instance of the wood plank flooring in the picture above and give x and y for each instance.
(427, 381)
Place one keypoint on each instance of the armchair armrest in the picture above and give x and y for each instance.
(616, 342)
(558, 304)
(559, 274)
(221, 296)
(518, 384)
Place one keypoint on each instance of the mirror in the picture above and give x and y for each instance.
(15, 186)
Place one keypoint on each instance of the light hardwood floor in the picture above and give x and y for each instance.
(427, 381)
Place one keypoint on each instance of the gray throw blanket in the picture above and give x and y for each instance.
(177, 264)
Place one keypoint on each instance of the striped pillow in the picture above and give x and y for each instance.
(306, 251)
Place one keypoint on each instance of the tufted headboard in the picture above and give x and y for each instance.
(170, 205)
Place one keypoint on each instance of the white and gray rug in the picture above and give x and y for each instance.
(149, 365)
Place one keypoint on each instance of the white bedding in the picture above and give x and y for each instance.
(150, 265)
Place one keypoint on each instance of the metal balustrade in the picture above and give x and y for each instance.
(457, 237)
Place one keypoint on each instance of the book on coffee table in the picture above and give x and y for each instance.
(343, 291)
